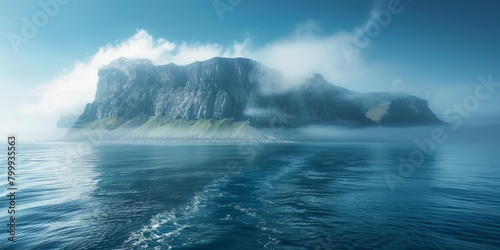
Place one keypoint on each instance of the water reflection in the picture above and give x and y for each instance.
(284, 195)
(56, 182)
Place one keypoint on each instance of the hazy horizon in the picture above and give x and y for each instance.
(365, 47)
(400, 152)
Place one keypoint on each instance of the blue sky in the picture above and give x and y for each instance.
(433, 49)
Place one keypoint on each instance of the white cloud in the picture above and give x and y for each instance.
(34, 112)
(301, 54)
(304, 52)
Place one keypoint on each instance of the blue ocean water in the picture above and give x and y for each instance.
(254, 196)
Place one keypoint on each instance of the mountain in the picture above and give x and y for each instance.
(67, 121)
(228, 98)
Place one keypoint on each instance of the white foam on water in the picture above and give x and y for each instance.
(247, 211)
(290, 165)
(165, 227)
(269, 228)
(227, 217)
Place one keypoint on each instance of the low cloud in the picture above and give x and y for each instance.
(299, 55)
(35, 111)
(306, 51)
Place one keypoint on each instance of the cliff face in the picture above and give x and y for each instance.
(222, 88)
(394, 109)
(217, 88)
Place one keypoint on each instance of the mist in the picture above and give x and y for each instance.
(485, 130)
(304, 52)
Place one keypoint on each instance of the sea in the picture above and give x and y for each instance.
(254, 195)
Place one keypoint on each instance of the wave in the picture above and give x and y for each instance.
(165, 227)
(291, 165)
(222, 204)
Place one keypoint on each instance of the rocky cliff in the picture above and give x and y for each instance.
(131, 92)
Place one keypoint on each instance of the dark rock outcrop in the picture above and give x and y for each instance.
(239, 89)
